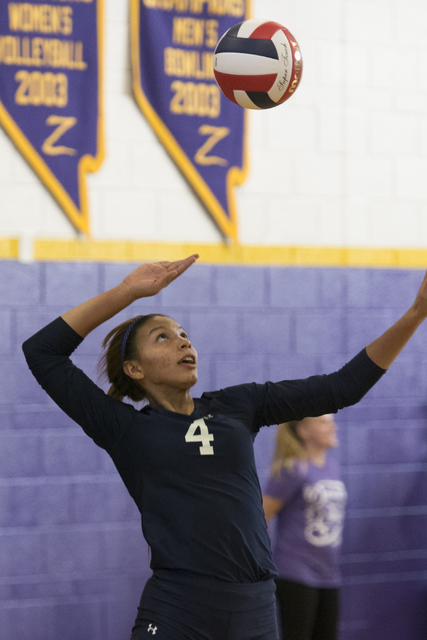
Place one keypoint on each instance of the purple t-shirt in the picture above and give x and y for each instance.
(309, 526)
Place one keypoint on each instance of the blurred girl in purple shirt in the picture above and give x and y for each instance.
(306, 493)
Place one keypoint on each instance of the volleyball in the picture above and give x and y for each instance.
(258, 64)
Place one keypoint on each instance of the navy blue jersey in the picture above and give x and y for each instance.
(193, 477)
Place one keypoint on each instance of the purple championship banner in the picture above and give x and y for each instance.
(51, 93)
(173, 42)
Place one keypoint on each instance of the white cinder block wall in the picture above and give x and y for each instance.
(343, 163)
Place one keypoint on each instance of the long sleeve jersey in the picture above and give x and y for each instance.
(193, 477)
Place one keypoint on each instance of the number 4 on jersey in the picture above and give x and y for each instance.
(203, 436)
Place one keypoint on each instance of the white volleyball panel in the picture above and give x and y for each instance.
(248, 27)
(285, 63)
(243, 100)
(245, 64)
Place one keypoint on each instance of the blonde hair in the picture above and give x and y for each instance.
(289, 447)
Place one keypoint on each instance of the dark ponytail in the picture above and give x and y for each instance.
(115, 353)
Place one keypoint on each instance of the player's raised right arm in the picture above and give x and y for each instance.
(145, 281)
(48, 351)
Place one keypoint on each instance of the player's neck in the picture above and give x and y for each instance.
(316, 455)
(175, 400)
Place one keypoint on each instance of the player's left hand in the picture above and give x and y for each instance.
(151, 277)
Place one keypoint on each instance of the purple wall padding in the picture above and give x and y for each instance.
(72, 558)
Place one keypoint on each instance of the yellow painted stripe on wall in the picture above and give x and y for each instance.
(86, 249)
(9, 248)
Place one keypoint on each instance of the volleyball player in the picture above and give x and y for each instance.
(306, 493)
(189, 463)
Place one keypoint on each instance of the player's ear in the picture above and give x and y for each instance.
(302, 430)
(133, 369)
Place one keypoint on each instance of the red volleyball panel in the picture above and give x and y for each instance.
(229, 93)
(229, 82)
(266, 30)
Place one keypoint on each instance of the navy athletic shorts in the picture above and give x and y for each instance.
(193, 608)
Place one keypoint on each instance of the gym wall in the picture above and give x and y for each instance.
(333, 233)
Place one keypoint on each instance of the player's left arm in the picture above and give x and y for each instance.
(387, 347)
(271, 506)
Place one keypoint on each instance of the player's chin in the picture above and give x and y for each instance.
(194, 377)
(190, 378)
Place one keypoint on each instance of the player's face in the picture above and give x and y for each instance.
(320, 431)
(166, 356)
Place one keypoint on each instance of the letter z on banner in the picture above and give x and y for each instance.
(172, 58)
(51, 93)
